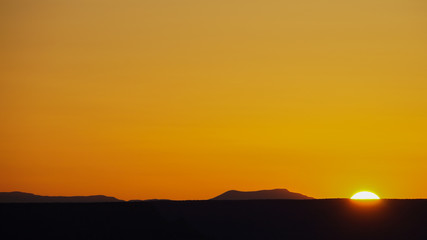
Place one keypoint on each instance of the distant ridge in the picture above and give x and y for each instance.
(262, 194)
(21, 197)
(149, 200)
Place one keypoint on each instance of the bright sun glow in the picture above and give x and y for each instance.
(365, 196)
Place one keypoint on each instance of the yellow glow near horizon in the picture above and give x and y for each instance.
(365, 196)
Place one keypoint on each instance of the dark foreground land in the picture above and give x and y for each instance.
(258, 219)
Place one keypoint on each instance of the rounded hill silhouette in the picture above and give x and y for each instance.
(261, 195)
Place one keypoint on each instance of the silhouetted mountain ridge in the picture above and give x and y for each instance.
(262, 194)
(21, 197)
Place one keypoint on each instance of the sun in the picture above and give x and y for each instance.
(365, 196)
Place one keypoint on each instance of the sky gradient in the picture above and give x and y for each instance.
(187, 99)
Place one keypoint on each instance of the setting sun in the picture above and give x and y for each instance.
(365, 196)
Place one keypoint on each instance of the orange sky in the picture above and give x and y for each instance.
(187, 99)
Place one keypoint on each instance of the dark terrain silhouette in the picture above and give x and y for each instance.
(21, 197)
(249, 219)
(263, 194)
